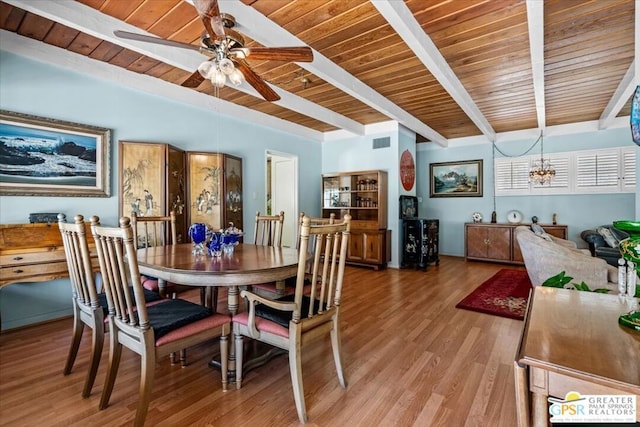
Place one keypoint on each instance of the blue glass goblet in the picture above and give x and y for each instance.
(215, 244)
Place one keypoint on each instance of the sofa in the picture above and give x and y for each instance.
(603, 242)
(546, 256)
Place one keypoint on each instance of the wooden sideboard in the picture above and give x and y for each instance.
(34, 253)
(497, 241)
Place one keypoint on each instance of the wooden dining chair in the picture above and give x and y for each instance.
(275, 290)
(292, 321)
(88, 302)
(312, 221)
(267, 232)
(268, 229)
(160, 231)
(86, 305)
(152, 231)
(150, 331)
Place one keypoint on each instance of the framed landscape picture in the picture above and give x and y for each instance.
(47, 157)
(456, 179)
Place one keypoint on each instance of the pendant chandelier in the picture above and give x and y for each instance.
(542, 171)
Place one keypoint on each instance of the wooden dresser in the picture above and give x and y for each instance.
(33, 253)
(497, 241)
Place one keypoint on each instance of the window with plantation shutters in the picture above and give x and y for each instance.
(596, 170)
(608, 170)
(628, 179)
(611, 170)
(511, 176)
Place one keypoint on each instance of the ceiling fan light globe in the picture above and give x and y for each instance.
(236, 77)
(226, 66)
(205, 69)
(218, 78)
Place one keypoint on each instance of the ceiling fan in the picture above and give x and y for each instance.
(227, 51)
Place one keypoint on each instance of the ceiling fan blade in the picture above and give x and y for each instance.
(156, 40)
(210, 15)
(295, 54)
(256, 81)
(193, 80)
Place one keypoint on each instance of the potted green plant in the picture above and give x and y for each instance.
(561, 279)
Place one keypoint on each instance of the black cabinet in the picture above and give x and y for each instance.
(419, 242)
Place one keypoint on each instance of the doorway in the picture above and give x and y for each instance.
(282, 192)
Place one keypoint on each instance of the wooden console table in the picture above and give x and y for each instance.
(497, 241)
(571, 341)
(33, 253)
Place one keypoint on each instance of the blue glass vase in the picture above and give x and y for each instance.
(198, 235)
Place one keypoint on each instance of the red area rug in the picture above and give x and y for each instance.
(505, 294)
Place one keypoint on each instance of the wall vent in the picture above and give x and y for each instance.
(382, 142)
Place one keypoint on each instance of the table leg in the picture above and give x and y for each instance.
(539, 387)
(162, 288)
(233, 306)
(540, 410)
(522, 394)
(233, 300)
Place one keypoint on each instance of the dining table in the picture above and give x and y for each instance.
(247, 265)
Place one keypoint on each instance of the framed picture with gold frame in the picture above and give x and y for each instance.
(49, 157)
(456, 179)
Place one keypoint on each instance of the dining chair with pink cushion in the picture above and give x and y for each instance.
(267, 232)
(89, 302)
(268, 229)
(289, 286)
(161, 231)
(150, 331)
(152, 231)
(292, 321)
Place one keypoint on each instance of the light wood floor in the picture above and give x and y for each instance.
(411, 359)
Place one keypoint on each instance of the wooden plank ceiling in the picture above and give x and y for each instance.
(482, 81)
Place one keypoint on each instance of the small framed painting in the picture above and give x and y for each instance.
(456, 179)
(47, 157)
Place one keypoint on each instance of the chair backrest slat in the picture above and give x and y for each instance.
(268, 229)
(328, 255)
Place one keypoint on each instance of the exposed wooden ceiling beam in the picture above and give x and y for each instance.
(535, 21)
(403, 22)
(88, 20)
(629, 82)
(268, 33)
(623, 92)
